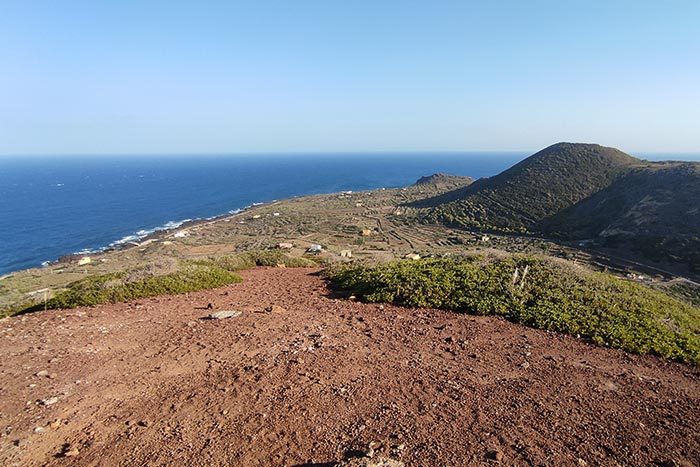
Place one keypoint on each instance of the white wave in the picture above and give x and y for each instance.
(141, 234)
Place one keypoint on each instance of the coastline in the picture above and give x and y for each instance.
(168, 230)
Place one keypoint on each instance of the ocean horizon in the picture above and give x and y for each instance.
(53, 206)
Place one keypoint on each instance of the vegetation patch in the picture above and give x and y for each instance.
(115, 287)
(541, 292)
(165, 276)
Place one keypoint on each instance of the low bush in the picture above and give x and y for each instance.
(250, 259)
(164, 276)
(112, 288)
(540, 292)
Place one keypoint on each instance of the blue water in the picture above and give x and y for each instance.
(52, 206)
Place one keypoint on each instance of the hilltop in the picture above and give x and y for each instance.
(151, 383)
(445, 180)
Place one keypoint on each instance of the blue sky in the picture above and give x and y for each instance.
(100, 77)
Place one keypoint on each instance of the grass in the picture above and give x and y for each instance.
(540, 292)
(161, 277)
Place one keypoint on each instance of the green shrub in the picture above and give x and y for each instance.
(544, 293)
(275, 257)
(164, 276)
(112, 288)
(250, 259)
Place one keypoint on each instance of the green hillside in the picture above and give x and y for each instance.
(586, 191)
(536, 188)
(652, 209)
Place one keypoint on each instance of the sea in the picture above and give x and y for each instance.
(52, 206)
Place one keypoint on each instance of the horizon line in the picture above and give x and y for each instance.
(316, 153)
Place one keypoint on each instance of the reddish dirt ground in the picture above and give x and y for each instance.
(150, 383)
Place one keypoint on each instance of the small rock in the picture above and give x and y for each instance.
(39, 429)
(495, 455)
(224, 314)
(55, 424)
(525, 365)
(49, 401)
(666, 463)
(70, 451)
(369, 462)
(275, 309)
(144, 423)
(42, 373)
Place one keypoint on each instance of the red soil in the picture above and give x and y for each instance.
(149, 383)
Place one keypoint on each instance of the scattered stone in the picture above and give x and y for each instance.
(39, 429)
(369, 462)
(69, 451)
(223, 314)
(275, 309)
(144, 423)
(55, 424)
(49, 401)
(43, 373)
(525, 365)
(495, 455)
(373, 446)
(666, 463)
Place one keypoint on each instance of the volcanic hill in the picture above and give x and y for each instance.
(577, 191)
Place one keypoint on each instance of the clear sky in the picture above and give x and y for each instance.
(348, 75)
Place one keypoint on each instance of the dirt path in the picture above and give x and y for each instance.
(149, 383)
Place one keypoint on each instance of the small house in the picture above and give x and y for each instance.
(366, 232)
(315, 249)
(412, 256)
(346, 253)
(84, 260)
(285, 246)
